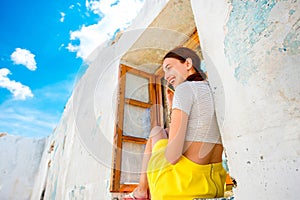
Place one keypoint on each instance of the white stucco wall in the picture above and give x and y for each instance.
(80, 162)
(19, 160)
(251, 50)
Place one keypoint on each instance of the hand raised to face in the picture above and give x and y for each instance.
(170, 95)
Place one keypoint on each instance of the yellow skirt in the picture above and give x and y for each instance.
(185, 180)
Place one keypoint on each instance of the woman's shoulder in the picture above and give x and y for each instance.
(192, 84)
(192, 88)
(184, 86)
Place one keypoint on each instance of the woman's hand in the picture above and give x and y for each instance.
(170, 95)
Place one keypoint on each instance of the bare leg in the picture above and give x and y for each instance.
(156, 134)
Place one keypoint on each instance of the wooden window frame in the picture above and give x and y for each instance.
(119, 138)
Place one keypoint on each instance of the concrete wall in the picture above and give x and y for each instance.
(251, 51)
(77, 160)
(19, 160)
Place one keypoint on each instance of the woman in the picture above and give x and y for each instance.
(188, 163)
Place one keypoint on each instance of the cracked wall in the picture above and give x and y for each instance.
(251, 51)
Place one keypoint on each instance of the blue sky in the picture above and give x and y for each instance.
(43, 44)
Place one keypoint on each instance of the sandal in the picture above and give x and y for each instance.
(132, 197)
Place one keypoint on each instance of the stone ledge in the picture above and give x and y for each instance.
(221, 198)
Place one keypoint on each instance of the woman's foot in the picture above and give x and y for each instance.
(137, 194)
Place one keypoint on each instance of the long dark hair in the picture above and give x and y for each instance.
(181, 54)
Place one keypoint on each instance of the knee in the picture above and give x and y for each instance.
(157, 131)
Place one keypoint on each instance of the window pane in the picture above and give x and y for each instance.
(136, 121)
(132, 156)
(137, 88)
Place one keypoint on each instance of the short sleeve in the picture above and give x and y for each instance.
(183, 98)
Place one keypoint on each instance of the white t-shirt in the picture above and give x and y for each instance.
(196, 100)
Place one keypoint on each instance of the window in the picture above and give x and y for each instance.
(136, 115)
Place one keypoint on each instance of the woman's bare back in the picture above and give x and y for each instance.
(203, 153)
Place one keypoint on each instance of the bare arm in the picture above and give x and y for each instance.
(177, 133)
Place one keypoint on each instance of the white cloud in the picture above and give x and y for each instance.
(115, 15)
(19, 91)
(24, 57)
(61, 46)
(26, 121)
(90, 37)
(35, 118)
(62, 17)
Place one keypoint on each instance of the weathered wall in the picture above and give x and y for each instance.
(251, 50)
(78, 165)
(19, 160)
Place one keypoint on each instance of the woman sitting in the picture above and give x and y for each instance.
(186, 162)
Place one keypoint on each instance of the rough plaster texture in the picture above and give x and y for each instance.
(19, 160)
(251, 51)
(77, 160)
